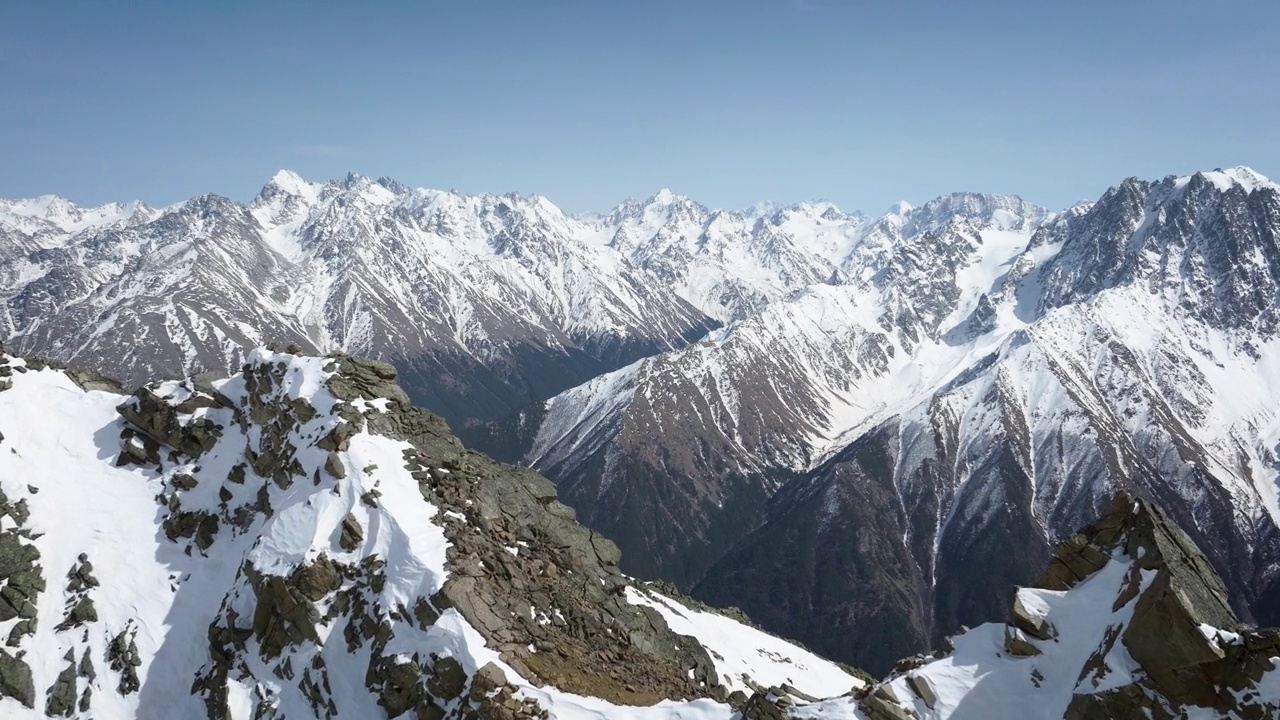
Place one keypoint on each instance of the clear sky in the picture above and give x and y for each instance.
(860, 103)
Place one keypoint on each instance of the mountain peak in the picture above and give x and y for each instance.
(764, 208)
(1224, 180)
(902, 207)
(665, 197)
(394, 185)
(288, 183)
(354, 179)
(287, 179)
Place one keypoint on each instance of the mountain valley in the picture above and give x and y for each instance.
(832, 421)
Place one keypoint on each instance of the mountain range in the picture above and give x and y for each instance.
(296, 540)
(833, 421)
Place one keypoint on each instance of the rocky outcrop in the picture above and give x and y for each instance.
(1129, 620)
(543, 591)
(15, 680)
(21, 582)
(518, 553)
(1193, 651)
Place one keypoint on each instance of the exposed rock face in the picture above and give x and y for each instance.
(15, 680)
(1192, 649)
(537, 586)
(1129, 621)
(486, 303)
(969, 393)
(299, 540)
(23, 582)
(518, 553)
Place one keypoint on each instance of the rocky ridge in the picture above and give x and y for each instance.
(1129, 620)
(485, 302)
(959, 405)
(302, 541)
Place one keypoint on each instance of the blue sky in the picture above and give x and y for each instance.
(861, 103)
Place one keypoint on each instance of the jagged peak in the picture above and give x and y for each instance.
(628, 208)
(973, 203)
(205, 203)
(288, 180)
(354, 180)
(822, 209)
(764, 208)
(1002, 211)
(1224, 180)
(394, 185)
(290, 184)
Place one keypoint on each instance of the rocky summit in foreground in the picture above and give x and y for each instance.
(298, 541)
(1129, 621)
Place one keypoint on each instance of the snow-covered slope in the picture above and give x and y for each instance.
(747, 659)
(718, 426)
(296, 541)
(729, 265)
(1128, 622)
(973, 385)
(486, 302)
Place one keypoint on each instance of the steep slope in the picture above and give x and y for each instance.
(976, 390)
(298, 541)
(484, 301)
(487, 303)
(1128, 621)
(185, 291)
(1144, 384)
(677, 453)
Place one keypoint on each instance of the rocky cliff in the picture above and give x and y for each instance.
(1128, 621)
(973, 387)
(298, 540)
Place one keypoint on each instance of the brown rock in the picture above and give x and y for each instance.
(350, 534)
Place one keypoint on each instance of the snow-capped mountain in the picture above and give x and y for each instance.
(297, 541)
(895, 400)
(720, 425)
(729, 265)
(972, 385)
(485, 302)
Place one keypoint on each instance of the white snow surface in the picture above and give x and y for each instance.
(980, 681)
(744, 656)
(58, 455)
